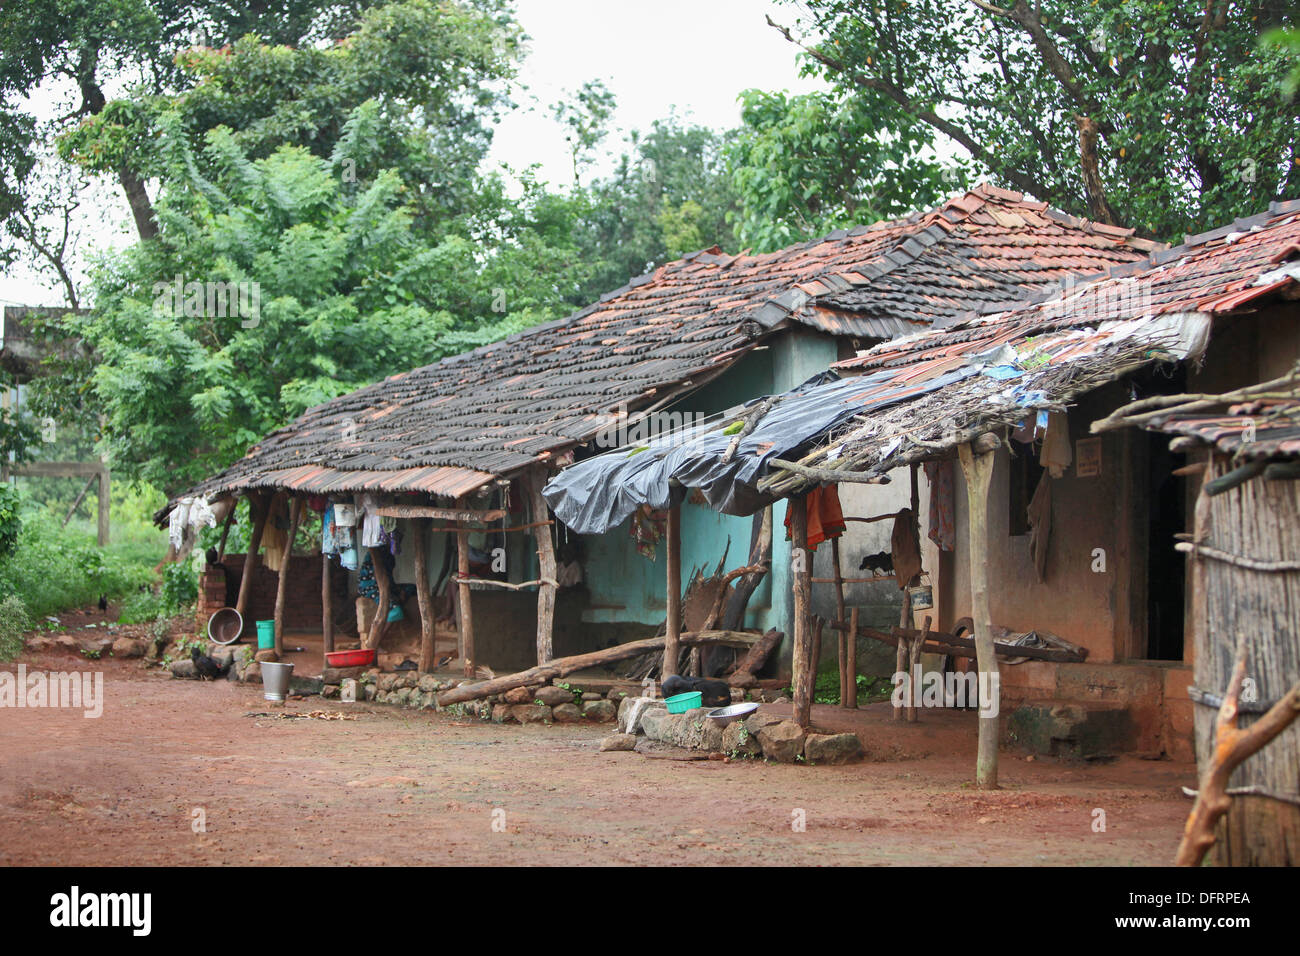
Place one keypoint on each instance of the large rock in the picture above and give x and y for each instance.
(501, 713)
(518, 695)
(737, 740)
(758, 720)
(387, 682)
(337, 675)
(782, 741)
(711, 736)
(531, 713)
(632, 710)
(566, 713)
(266, 654)
(223, 654)
(619, 742)
(831, 748)
(553, 696)
(129, 647)
(252, 674)
(184, 670)
(305, 686)
(601, 710)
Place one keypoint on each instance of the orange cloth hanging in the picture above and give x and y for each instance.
(825, 519)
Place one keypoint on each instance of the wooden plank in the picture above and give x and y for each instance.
(674, 616)
(326, 605)
(442, 514)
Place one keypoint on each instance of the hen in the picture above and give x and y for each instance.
(205, 667)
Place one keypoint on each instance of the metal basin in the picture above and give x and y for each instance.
(725, 715)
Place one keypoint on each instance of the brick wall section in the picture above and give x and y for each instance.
(219, 587)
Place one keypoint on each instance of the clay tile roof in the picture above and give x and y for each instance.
(454, 425)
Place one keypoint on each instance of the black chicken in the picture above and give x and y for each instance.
(205, 667)
(103, 602)
(881, 563)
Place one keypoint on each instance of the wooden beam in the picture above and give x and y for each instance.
(259, 508)
(57, 469)
(420, 531)
(463, 593)
(282, 586)
(561, 666)
(225, 530)
(839, 617)
(804, 668)
(977, 469)
(674, 616)
(545, 562)
(828, 475)
(442, 514)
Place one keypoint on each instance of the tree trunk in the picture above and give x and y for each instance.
(259, 508)
(803, 666)
(546, 565)
(420, 531)
(282, 585)
(674, 617)
(463, 598)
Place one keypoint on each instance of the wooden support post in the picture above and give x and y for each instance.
(327, 606)
(853, 659)
(259, 508)
(977, 468)
(914, 645)
(420, 532)
(804, 667)
(281, 588)
(384, 582)
(463, 597)
(672, 634)
(537, 509)
(101, 531)
(839, 618)
(900, 653)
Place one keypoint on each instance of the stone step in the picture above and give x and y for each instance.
(1083, 729)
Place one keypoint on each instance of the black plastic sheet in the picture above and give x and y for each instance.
(602, 492)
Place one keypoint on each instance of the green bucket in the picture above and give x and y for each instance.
(265, 635)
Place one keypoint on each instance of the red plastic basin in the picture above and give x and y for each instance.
(350, 658)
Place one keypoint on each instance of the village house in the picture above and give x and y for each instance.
(1057, 534)
(457, 452)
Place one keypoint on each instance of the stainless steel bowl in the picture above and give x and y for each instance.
(725, 715)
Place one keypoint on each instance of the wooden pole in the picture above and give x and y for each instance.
(420, 531)
(839, 617)
(900, 653)
(281, 588)
(259, 509)
(545, 563)
(463, 597)
(804, 668)
(327, 606)
(384, 583)
(977, 468)
(672, 634)
(225, 530)
(914, 645)
(102, 517)
(853, 659)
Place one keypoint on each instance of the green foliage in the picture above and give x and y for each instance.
(806, 165)
(1192, 124)
(827, 689)
(14, 620)
(1289, 42)
(11, 522)
(53, 569)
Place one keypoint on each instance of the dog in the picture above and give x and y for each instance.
(713, 693)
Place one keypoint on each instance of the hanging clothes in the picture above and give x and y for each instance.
(275, 534)
(1040, 525)
(646, 529)
(943, 520)
(906, 548)
(372, 525)
(1056, 454)
(825, 517)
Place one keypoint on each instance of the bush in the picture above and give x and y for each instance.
(52, 568)
(11, 524)
(14, 620)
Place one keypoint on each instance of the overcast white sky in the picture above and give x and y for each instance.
(694, 56)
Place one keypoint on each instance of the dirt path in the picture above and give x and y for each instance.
(399, 787)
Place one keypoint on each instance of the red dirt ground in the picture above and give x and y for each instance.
(400, 787)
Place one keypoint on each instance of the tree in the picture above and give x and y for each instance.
(1164, 116)
(586, 112)
(805, 165)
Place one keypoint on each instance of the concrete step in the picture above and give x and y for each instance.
(1082, 729)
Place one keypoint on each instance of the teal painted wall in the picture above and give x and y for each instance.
(626, 587)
